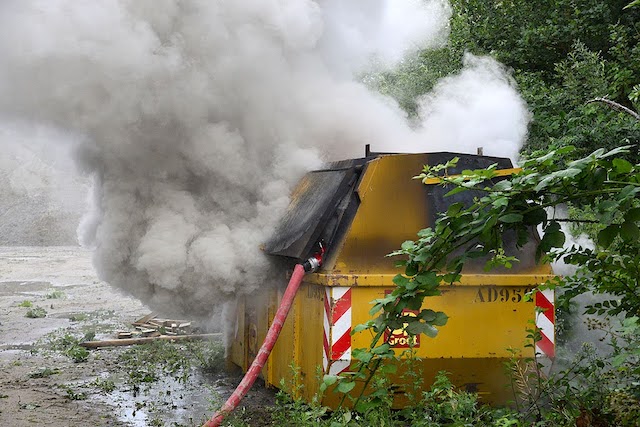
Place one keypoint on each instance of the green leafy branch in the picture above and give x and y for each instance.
(504, 206)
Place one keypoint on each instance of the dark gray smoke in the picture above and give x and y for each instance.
(195, 118)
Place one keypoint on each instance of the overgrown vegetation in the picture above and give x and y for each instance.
(144, 364)
(69, 345)
(55, 294)
(44, 372)
(36, 313)
(563, 53)
(441, 405)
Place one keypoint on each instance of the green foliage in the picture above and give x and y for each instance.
(78, 354)
(442, 405)
(562, 114)
(44, 372)
(74, 395)
(514, 205)
(591, 390)
(579, 391)
(26, 304)
(537, 34)
(634, 3)
(417, 76)
(563, 53)
(147, 363)
(69, 345)
(603, 180)
(104, 385)
(292, 410)
(36, 313)
(208, 356)
(80, 317)
(55, 294)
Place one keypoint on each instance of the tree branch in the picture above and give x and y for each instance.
(616, 106)
(587, 221)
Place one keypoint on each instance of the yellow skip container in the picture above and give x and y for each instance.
(362, 210)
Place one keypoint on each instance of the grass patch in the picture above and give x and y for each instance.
(73, 394)
(36, 313)
(104, 385)
(78, 354)
(70, 346)
(26, 304)
(55, 294)
(44, 372)
(79, 317)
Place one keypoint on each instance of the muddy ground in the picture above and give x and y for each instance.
(40, 383)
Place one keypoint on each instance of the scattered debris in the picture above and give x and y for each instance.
(150, 328)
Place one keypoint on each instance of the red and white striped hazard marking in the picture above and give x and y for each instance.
(336, 356)
(545, 322)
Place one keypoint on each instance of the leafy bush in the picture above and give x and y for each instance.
(55, 294)
(36, 313)
(69, 345)
(563, 54)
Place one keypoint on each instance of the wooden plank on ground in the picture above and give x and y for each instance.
(136, 341)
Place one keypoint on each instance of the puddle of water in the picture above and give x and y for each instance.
(173, 402)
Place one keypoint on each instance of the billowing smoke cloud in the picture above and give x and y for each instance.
(195, 118)
(476, 108)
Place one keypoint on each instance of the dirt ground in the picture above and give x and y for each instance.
(39, 385)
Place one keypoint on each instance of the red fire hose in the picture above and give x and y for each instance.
(274, 331)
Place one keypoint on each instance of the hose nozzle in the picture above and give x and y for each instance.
(313, 264)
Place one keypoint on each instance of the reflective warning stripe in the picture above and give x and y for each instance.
(336, 356)
(545, 322)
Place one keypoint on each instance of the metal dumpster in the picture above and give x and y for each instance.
(363, 209)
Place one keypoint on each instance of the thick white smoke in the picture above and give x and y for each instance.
(195, 118)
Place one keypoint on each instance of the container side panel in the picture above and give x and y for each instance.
(283, 356)
(310, 303)
(484, 321)
(238, 350)
(392, 209)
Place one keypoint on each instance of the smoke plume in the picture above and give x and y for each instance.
(193, 119)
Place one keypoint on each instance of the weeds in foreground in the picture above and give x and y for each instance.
(79, 317)
(36, 313)
(69, 345)
(149, 362)
(105, 386)
(44, 372)
(291, 409)
(72, 394)
(55, 294)
(441, 405)
(593, 390)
